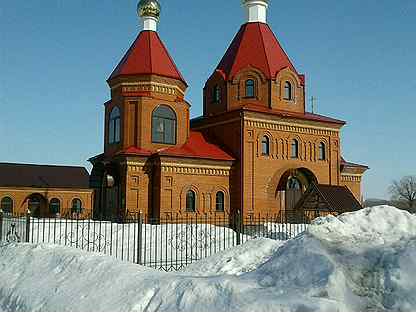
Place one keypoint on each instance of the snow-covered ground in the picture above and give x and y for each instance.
(362, 261)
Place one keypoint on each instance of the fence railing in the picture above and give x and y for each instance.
(168, 243)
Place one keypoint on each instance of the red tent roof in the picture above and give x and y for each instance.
(197, 147)
(255, 45)
(147, 55)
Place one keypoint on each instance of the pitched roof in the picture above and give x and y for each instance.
(43, 176)
(255, 45)
(197, 147)
(329, 198)
(305, 116)
(147, 55)
(354, 165)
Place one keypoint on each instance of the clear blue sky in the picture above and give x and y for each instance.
(359, 58)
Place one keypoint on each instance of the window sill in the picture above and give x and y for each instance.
(163, 143)
(114, 143)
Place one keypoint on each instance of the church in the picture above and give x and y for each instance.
(255, 150)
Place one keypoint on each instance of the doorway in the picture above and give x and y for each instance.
(36, 205)
(292, 185)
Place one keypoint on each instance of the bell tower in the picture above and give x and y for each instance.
(147, 113)
(255, 71)
(147, 110)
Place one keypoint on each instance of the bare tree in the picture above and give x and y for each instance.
(405, 191)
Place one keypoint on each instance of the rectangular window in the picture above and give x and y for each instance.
(111, 133)
(158, 130)
(117, 136)
(170, 132)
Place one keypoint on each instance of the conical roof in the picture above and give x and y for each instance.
(255, 45)
(147, 55)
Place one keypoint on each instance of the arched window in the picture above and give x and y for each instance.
(114, 126)
(76, 205)
(219, 201)
(190, 201)
(216, 96)
(322, 151)
(164, 125)
(55, 206)
(250, 92)
(293, 184)
(6, 205)
(288, 92)
(265, 146)
(295, 149)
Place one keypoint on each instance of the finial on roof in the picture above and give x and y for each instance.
(256, 10)
(149, 12)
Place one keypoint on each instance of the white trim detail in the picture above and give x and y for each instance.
(256, 10)
(149, 23)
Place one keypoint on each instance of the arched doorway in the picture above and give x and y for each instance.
(292, 185)
(36, 204)
(106, 181)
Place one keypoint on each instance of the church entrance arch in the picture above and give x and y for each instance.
(292, 185)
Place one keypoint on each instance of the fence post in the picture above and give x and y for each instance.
(139, 238)
(1, 225)
(27, 226)
(238, 225)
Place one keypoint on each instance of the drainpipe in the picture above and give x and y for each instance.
(242, 163)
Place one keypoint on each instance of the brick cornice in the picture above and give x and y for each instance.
(148, 86)
(346, 177)
(289, 127)
(195, 169)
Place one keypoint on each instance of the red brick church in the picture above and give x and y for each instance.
(255, 150)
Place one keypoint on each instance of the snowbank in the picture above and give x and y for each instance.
(362, 261)
(237, 260)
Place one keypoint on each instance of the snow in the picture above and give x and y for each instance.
(237, 260)
(361, 261)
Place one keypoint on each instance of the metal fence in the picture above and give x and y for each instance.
(168, 243)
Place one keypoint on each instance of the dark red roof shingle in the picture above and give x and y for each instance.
(305, 116)
(197, 147)
(336, 198)
(43, 176)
